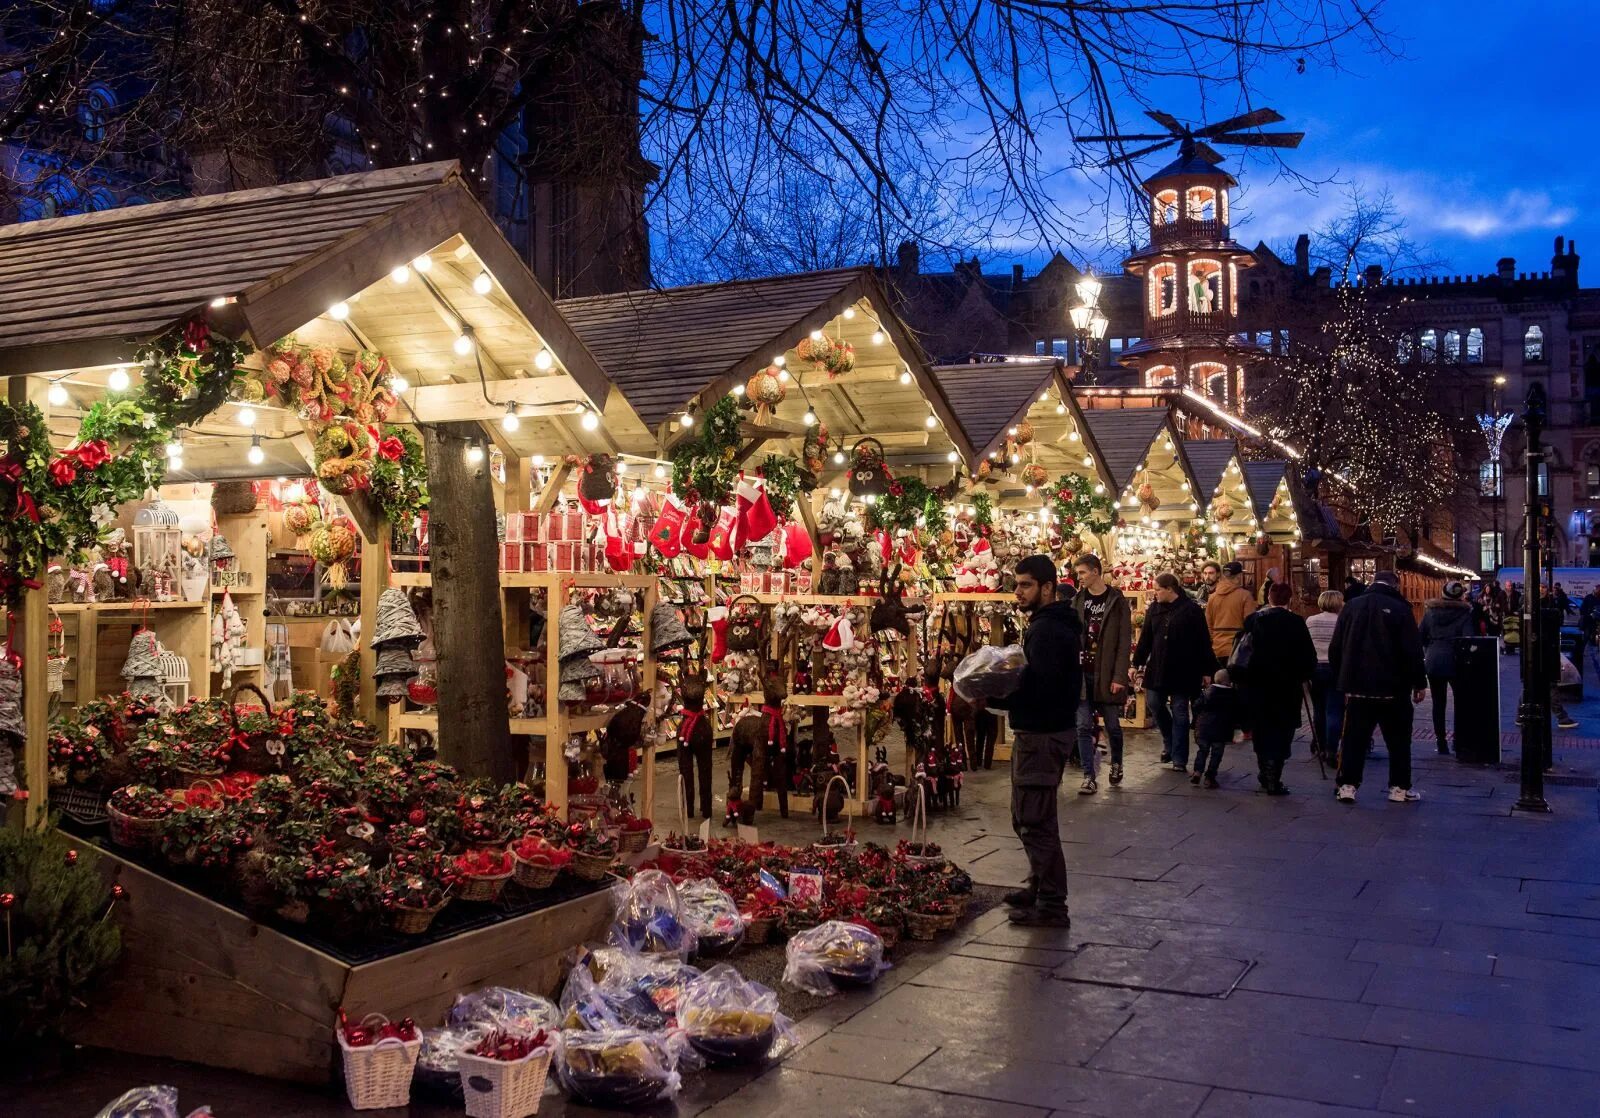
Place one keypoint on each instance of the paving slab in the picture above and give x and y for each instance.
(1312, 976)
(1428, 958)
(1158, 968)
(1222, 1103)
(1449, 1086)
(791, 1093)
(1471, 1036)
(882, 1060)
(1502, 1000)
(1071, 1090)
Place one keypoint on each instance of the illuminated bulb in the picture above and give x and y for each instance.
(1186, 487)
(834, 493)
(423, 263)
(622, 467)
(1015, 458)
(1099, 489)
(816, 335)
(1072, 438)
(58, 395)
(877, 337)
(246, 416)
(511, 421)
(931, 422)
(543, 360)
(222, 301)
(538, 459)
(255, 454)
(810, 418)
(738, 390)
(838, 458)
(1194, 506)
(401, 274)
(295, 493)
(661, 471)
(905, 376)
(783, 375)
(1044, 397)
(118, 381)
(481, 283)
(952, 457)
(1012, 432)
(174, 448)
(590, 420)
(1027, 490)
(339, 312)
(1088, 459)
(780, 360)
(871, 498)
(474, 454)
(995, 454)
(463, 344)
(849, 312)
(1144, 520)
(686, 421)
(1061, 409)
(399, 385)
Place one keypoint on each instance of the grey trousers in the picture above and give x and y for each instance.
(1037, 761)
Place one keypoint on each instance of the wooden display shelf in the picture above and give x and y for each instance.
(237, 591)
(538, 727)
(974, 596)
(125, 606)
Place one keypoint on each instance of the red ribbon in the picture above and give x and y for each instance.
(777, 732)
(392, 449)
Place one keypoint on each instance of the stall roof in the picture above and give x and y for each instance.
(87, 290)
(1263, 478)
(990, 398)
(1123, 437)
(1209, 459)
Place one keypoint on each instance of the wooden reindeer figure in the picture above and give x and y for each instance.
(761, 739)
(694, 746)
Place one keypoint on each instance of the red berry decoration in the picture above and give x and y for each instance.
(72, 857)
(7, 900)
(118, 892)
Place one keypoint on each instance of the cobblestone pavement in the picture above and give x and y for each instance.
(1230, 955)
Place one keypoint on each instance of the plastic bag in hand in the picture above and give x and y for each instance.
(149, 1102)
(730, 1019)
(509, 1011)
(819, 960)
(712, 916)
(621, 1068)
(991, 672)
(647, 916)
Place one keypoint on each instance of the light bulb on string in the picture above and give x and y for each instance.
(463, 343)
(543, 360)
(1073, 437)
(810, 418)
(905, 376)
(510, 421)
(1061, 409)
(622, 467)
(339, 311)
(877, 337)
(58, 395)
(780, 360)
(474, 454)
(118, 380)
(738, 390)
(423, 263)
(255, 454)
(399, 385)
(590, 420)
(402, 274)
(538, 460)
(482, 284)
(931, 422)
(952, 457)
(838, 457)
(175, 446)
(783, 375)
(686, 420)
(660, 470)
(246, 416)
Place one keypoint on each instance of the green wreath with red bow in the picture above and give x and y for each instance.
(1077, 506)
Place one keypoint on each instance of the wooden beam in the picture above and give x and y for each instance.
(374, 581)
(35, 648)
(552, 489)
(541, 395)
(774, 428)
(366, 516)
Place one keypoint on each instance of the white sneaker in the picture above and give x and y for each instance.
(1089, 787)
(1398, 795)
(1177, 768)
(1346, 794)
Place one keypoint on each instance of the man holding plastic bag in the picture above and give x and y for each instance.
(1042, 699)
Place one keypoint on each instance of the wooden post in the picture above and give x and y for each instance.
(31, 639)
(647, 680)
(474, 727)
(555, 719)
(808, 517)
(374, 581)
(552, 487)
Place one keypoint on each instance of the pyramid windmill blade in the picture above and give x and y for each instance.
(1248, 120)
(1122, 139)
(1207, 152)
(1264, 139)
(1128, 156)
(1167, 121)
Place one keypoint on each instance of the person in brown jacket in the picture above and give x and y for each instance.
(1226, 609)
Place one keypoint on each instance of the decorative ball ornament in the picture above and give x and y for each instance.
(118, 892)
(983, 470)
(766, 391)
(1035, 475)
(1222, 510)
(1024, 434)
(1147, 497)
(301, 518)
(7, 900)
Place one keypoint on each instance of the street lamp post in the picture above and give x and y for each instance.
(1534, 712)
(1089, 324)
(1500, 479)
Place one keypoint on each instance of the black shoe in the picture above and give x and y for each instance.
(1052, 916)
(1278, 789)
(1116, 774)
(1194, 778)
(1165, 758)
(1022, 898)
(1211, 781)
(1567, 723)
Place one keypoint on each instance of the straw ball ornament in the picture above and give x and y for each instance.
(1147, 497)
(332, 544)
(1222, 510)
(301, 517)
(1035, 475)
(1024, 434)
(766, 391)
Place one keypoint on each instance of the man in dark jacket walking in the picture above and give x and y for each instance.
(1282, 660)
(1043, 710)
(1174, 653)
(1376, 660)
(1443, 621)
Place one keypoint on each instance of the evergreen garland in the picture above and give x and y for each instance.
(783, 482)
(982, 510)
(702, 466)
(399, 477)
(1076, 506)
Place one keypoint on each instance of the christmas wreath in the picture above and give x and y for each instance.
(1077, 507)
(399, 477)
(703, 467)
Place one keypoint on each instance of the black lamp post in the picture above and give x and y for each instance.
(1089, 324)
(1534, 712)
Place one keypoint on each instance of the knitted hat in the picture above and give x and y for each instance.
(143, 662)
(397, 621)
(578, 669)
(667, 631)
(576, 638)
(395, 661)
(220, 548)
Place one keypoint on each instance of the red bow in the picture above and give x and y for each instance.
(92, 454)
(10, 470)
(196, 336)
(26, 507)
(392, 449)
(63, 471)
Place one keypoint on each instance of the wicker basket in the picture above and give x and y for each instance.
(758, 929)
(79, 804)
(592, 867)
(504, 1088)
(180, 779)
(233, 498)
(379, 1075)
(890, 937)
(481, 888)
(532, 875)
(923, 925)
(131, 830)
(633, 842)
(949, 921)
(257, 755)
(414, 921)
(920, 814)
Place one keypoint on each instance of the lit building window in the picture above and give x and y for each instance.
(1450, 349)
(1490, 548)
(1211, 378)
(93, 113)
(1204, 281)
(1489, 478)
(1475, 346)
(1161, 376)
(1038, 348)
(1542, 479)
(1591, 482)
(1533, 344)
(1163, 289)
(1201, 203)
(1430, 346)
(1058, 347)
(1164, 207)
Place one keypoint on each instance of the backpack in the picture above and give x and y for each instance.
(1244, 648)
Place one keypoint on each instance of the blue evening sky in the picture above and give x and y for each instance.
(1484, 130)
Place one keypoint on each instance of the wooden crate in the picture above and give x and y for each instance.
(198, 981)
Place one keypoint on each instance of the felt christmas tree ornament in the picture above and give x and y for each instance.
(667, 631)
(717, 622)
(797, 547)
(576, 639)
(722, 540)
(666, 534)
(756, 518)
(841, 637)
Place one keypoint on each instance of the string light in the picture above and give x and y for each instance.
(905, 376)
(816, 335)
(783, 375)
(543, 360)
(838, 457)
(423, 263)
(738, 390)
(339, 311)
(399, 385)
(1061, 409)
(780, 360)
(1074, 436)
(686, 420)
(246, 416)
(58, 395)
(510, 421)
(402, 274)
(255, 454)
(877, 337)
(538, 460)
(660, 471)
(952, 457)
(118, 380)
(931, 422)
(474, 454)
(622, 467)
(175, 445)
(1088, 459)
(590, 421)
(482, 284)
(463, 343)
(810, 418)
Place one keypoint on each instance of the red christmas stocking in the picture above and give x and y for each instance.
(619, 553)
(717, 622)
(693, 542)
(796, 545)
(756, 518)
(721, 543)
(667, 532)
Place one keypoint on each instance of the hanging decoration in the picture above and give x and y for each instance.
(60, 504)
(1075, 507)
(703, 466)
(399, 477)
(835, 358)
(766, 391)
(332, 544)
(784, 482)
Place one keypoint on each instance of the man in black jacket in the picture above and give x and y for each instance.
(1043, 712)
(1174, 656)
(1376, 660)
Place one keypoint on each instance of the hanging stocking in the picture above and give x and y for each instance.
(756, 518)
(796, 545)
(717, 622)
(722, 543)
(696, 533)
(618, 551)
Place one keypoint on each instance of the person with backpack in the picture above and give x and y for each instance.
(1174, 658)
(1230, 603)
(1377, 661)
(1277, 660)
(1443, 621)
(1218, 715)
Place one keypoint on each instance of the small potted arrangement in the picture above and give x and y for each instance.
(763, 915)
(136, 812)
(203, 830)
(503, 1075)
(481, 874)
(683, 845)
(379, 1058)
(594, 850)
(929, 915)
(481, 825)
(538, 861)
(921, 854)
(886, 918)
(413, 889)
(634, 833)
(76, 754)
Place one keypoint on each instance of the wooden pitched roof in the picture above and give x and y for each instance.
(992, 397)
(1262, 478)
(1123, 437)
(1209, 458)
(87, 290)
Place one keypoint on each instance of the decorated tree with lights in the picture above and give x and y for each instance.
(1370, 425)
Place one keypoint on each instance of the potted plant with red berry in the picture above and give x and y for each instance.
(413, 889)
(594, 850)
(538, 861)
(136, 812)
(481, 873)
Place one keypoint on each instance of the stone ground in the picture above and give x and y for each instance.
(1230, 955)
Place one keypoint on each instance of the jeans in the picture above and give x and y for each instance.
(1327, 710)
(1361, 717)
(1208, 756)
(1037, 761)
(1172, 719)
(1111, 714)
(1439, 686)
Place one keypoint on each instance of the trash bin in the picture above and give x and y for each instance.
(1477, 695)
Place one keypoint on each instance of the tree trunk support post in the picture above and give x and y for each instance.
(31, 640)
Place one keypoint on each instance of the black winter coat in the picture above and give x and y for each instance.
(1175, 647)
(1281, 660)
(1218, 713)
(1047, 700)
(1443, 620)
(1376, 651)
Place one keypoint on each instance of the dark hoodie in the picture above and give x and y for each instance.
(1443, 620)
(1047, 700)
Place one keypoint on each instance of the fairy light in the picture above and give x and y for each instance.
(738, 390)
(246, 416)
(543, 360)
(463, 343)
(660, 470)
(780, 360)
(589, 420)
(118, 380)
(255, 454)
(399, 385)
(339, 311)
(423, 263)
(952, 457)
(783, 375)
(402, 274)
(58, 395)
(810, 418)
(474, 454)
(838, 457)
(482, 284)
(931, 422)
(905, 376)
(510, 421)
(877, 337)
(686, 420)
(849, 312)
(175, 446)
(1073, 437)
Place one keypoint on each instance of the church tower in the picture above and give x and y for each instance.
(1190, 274)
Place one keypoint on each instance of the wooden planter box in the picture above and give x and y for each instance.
(198, 981)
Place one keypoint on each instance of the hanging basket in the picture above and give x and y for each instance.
(379, 1075)
(233, 498)
(869, 471)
